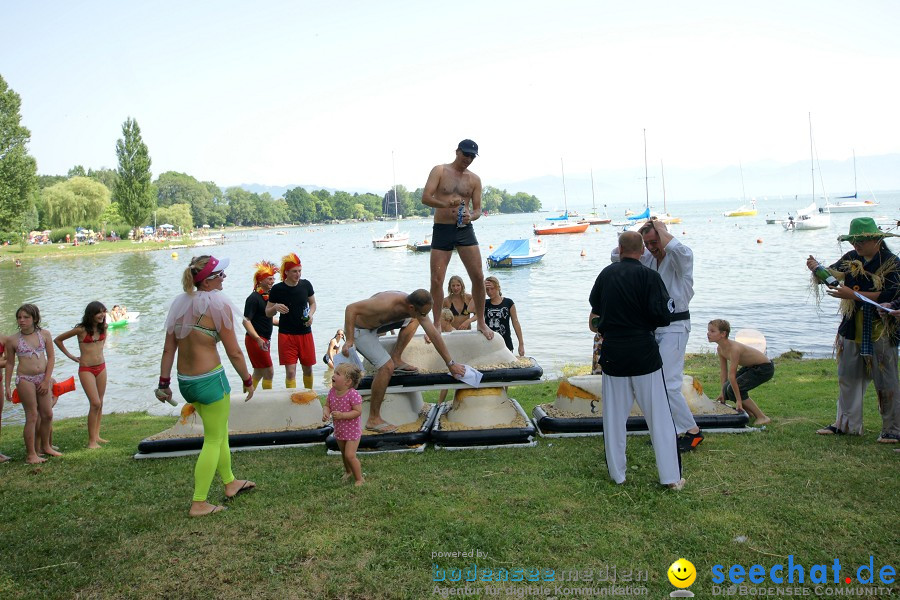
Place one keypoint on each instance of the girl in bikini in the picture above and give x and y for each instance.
(91, 334)
(3, 457)
(459, 303)
(32, 348)
(198, 320)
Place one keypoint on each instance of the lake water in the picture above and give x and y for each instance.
(746, 271)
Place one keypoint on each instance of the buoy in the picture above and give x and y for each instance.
(174, 255)
(759, 240)
(490, 247)
(583, 253)
(539, 240)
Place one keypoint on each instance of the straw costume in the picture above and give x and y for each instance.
(866, 343)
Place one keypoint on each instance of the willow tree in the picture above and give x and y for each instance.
(18, 170)
(77, 201)
(133, 193)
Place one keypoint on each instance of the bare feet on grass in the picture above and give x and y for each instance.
(93, 445)
(35, 460)
(762, 421)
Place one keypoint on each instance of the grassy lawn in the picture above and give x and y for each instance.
(97, 524)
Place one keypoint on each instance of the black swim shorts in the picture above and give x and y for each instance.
(448, 236)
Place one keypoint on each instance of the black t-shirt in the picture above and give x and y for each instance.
(497, 318)
(631, 301)
(297, 300)
(255, 311)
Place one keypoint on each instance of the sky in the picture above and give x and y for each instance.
(356, 95)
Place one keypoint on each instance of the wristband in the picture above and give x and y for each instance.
(164, 383)
(249, 381)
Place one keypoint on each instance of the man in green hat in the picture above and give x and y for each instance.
(867, 345)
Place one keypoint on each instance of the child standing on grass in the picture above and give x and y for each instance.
(32, 349)
(756, 369)
(344, 407)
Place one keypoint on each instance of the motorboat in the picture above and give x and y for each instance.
(392, 238)
(561, 227)
(807, 218)
(517, 253)
(424, 246)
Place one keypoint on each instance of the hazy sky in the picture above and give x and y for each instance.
(323, 92)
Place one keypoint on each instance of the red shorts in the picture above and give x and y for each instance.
(259, 358)
(296, 348)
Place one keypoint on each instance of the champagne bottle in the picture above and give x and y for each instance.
(306, 315)
(825, 277)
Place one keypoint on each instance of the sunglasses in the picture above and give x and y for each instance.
(219, 275)
(469, 154)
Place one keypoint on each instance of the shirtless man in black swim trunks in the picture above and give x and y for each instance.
(448, 188)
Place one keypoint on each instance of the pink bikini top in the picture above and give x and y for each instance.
(23, 349)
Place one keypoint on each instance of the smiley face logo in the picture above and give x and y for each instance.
(682, 573)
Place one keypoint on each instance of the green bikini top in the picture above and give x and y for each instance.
(214, 334)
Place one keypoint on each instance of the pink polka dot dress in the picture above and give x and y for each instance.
(345, 429)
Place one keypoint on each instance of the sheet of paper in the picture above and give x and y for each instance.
(862, 298)
(471, 376)
(353, 359)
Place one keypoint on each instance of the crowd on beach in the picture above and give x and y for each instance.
(639, 313)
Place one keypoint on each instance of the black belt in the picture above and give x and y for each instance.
(682, 316)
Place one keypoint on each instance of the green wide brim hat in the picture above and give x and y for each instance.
(864, 228)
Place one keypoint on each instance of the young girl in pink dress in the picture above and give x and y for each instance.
(344, 408)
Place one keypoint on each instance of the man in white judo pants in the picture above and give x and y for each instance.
(674, 262)
(628, 302)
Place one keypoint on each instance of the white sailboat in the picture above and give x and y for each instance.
(809, 217)
(393, 237)
(851, 203)
(594, 218)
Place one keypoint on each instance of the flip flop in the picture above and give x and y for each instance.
(406, 370)
(3, 458)
(246, 487)
(214, 509)
(830, 430)
(382, 428)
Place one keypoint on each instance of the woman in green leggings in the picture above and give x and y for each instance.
(198, 319)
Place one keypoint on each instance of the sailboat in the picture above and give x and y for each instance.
(635, 221)
(665, 217)
(809, 217)
(594, 218)
(561, 224)
(852, 203)
(744, 210)
(393, 237)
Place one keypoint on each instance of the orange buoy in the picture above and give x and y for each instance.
(759, 240)
(583, 253)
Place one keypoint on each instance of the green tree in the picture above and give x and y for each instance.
(76, 201)
(110, 215)
(342, 205)
(371, 202)
(18, 170)
(491, 199)
(301, 205)
(180, 188)
(107, 177)
(45, 181)
(178, 215)
(77, 171)
(134, 193)
(241, 205)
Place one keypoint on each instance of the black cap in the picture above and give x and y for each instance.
(468, 146)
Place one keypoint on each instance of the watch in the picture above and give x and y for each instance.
(451, 363)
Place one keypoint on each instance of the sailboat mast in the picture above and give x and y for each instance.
(563, 169)
(646, 177)
(743, 191)
(662, 171)
(593, 199)
(812, 162)
(855, 189)
(394, 176)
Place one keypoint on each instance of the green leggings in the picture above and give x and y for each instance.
(215, 454)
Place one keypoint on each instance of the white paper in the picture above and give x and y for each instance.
(470, 377)
(353, 359)
(862, 298)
